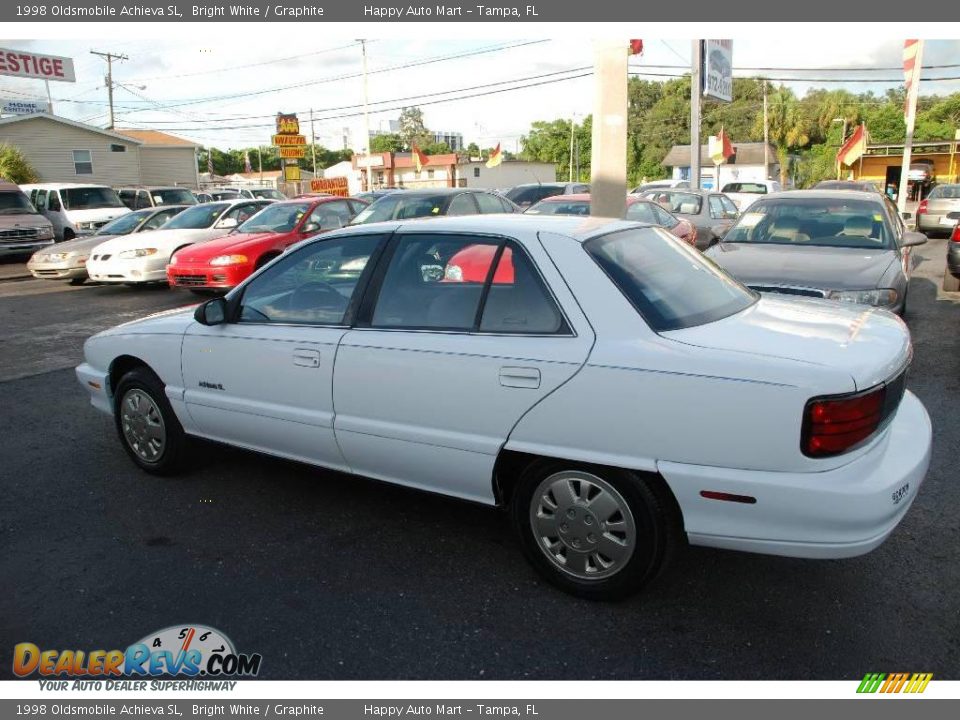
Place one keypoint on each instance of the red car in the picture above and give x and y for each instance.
(638, 208)
(224, 263)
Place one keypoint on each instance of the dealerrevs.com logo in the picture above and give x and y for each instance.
(182, 650)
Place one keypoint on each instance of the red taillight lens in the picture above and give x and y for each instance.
(956, 233)
(835, 425)
(922, 208)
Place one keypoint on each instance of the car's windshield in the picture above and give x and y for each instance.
(125, 224)
(814, 221)
(197, 217)
(15, 203)
(173, 196)
(945, 192)
(276, 218)
(267, 193)
(399, 206)
(529, 194)
(670, 283)
(89, 198)
(549, 207)
(683, 203)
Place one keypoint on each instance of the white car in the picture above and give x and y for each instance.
(144, 258)
(616, 390)
(744, 194)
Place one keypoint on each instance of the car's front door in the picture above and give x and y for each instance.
(264, 380)
(458, 337)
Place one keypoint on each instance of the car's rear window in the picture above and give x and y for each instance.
(670, 283)
(682, 203)
(554, 207)
(945, 192)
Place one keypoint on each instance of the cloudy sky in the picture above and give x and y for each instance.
(224, 91)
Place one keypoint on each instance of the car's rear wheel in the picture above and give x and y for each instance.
(148, 428)
(78, 281)
(595, 532)
(950, 283)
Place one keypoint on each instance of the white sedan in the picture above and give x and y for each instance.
(144, 259)
(617, 391)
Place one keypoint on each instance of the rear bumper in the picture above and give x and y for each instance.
(204, 276)
(838, 513)
(927, 221)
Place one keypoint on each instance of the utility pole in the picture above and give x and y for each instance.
(696, 69)
(110, 57)
(313, 143)
(366, 115)
(570, 171)
(608, 160)
(766, 136)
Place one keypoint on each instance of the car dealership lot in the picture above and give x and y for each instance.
(331, 577)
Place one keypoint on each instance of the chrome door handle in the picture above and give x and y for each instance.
(306, 358)
(520, 377)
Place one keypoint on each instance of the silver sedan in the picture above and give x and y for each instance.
(68, 260)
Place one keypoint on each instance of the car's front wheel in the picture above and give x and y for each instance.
(598, 533)
(148, 428)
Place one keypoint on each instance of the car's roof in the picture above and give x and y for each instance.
(822, 194)
(578, 227)
(545, 184)
(687, 191)
(153, 187)
(427, 192)
(585, 197)
(67, 186)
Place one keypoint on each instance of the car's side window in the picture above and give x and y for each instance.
(462, 204)
(434, 281)
(641, 212)
(323, 217)
(312, 286)
(716, 207)
(40, 203)
(729, 207)
(488, 203)
(157, 220)
(664, 218)
(438, 282)
(341, 209)
(507, 207)
(143, 199)
(517, 301)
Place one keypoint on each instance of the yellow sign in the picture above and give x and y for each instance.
(334, 186)
(288, 125)
(287, 140)
(293, 152)
(291, 173)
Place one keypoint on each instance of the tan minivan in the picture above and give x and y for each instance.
(22, 229)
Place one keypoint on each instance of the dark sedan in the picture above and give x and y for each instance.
(838, 244)
(435, 202)
(712, 213)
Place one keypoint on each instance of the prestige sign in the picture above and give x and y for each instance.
(21, 63)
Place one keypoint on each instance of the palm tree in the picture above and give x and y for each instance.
(787, 127)
(15, 167)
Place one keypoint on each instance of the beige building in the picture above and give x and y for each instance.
(63, 150)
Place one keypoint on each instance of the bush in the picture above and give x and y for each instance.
(15, 167)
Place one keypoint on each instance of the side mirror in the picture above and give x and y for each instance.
(906, 215)
(229, 222)
(911, 239)
(310, 227)
(212, 312)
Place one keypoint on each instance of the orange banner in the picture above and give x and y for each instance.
(286, 140)
(293, 152)
(334, 186)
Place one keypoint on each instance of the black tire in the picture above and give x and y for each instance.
(77, 281)
(170, 456)
(950, 283)
(68, 235)
(658, 529)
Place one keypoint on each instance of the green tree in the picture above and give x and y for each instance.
(788, 127)
(436, 148)
(388, 142)
(412, 130)
(15, 167)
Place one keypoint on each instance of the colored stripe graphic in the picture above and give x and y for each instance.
(894, 683)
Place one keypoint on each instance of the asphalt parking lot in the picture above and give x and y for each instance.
(334, 577)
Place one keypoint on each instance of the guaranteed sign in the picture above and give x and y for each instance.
(20, 63)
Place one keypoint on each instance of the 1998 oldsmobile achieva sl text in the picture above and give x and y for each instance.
(612, 387)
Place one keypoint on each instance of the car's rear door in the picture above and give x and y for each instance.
(457, 338)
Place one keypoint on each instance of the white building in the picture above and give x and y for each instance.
(747, 165)
(476, 174)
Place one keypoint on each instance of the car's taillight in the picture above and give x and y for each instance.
(835, 424)
(922, 208)
(956, 233)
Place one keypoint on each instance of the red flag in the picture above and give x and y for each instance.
(496, 157)
(725, 143)
(911, 69)
(419, 158)
(854, 147)
(636, 47)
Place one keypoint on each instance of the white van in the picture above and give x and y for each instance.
(75, 209)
